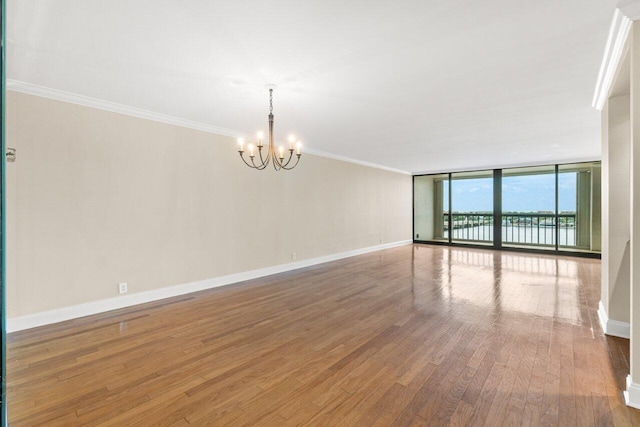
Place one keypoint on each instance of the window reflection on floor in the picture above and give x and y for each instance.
(543, 285)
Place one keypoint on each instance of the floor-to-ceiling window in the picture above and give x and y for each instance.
(529, 207)
(551, 208)
(472, 207)
(579, 207)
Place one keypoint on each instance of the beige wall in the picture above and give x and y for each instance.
(615, 209)
(97, 198)
(634, 254)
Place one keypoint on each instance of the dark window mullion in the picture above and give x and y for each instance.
(497, 208)
(556, 215)
(450, 212)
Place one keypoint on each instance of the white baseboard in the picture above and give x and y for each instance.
(613, 327)
(632, 393)
(73, 312)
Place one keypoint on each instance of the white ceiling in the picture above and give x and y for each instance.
(413, 85)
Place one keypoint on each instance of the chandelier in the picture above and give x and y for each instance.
(272, 155)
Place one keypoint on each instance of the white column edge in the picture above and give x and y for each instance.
(611, 327)
(613, 55)
(632, 393)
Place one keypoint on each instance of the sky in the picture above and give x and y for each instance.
(528, 193)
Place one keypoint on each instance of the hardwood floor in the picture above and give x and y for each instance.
(415, 335)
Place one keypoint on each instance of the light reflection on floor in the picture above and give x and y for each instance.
(543, 285)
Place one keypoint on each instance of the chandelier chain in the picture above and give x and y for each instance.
(270, 101)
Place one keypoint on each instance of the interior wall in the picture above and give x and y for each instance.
(616, 209)
(98, 198)
(634, 195)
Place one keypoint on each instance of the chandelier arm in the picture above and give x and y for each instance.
(261, 159)
(262, 167)
(259, 166)
(276, 162)
(295, 164)
(245, 162)
(289, 159)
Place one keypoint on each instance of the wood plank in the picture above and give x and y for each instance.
(414, 335)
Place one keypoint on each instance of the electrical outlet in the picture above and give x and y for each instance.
(122, 288)
(380, 241)
(417, 236)
(293, 256)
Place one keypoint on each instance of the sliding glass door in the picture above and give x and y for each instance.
(551, 208)
(579, 207)
(472, 207)
(529, 207)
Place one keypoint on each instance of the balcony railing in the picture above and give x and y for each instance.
(535, 229)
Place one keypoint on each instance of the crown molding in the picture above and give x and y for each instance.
(614, 51)
(354, 161)
(630, 8)
(59, 95)
(72, 98)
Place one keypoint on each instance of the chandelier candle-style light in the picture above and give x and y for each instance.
(278, 158)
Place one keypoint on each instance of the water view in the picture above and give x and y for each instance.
(529, 210)
(517, 235)
(539, 207)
